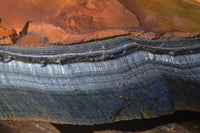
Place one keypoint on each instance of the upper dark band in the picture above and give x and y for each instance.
(98, 50)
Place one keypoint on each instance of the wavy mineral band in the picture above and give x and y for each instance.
(93, 62)
(97, 51)
(108, 81)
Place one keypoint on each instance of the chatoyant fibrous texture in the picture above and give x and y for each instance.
(93, 62)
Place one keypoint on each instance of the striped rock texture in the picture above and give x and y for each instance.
(93, 62)
(100, 82)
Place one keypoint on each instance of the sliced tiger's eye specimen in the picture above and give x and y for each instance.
(98, 61)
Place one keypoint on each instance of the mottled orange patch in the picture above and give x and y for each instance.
(49, 33)
(68, 21)
(166, 15)
(194, 2)
(75, 21)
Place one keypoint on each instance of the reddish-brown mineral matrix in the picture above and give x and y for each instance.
(66, 21)
(166, 15)
(44, 22)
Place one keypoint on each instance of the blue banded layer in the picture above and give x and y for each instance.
(100, 82)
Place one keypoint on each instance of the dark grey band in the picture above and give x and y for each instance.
(97, 51)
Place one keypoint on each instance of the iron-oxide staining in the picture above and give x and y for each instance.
(68, 22)
(161, 16)
(15, 36)
(72, 22)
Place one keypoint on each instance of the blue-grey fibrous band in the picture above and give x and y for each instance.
(111, 80)
(97, 51)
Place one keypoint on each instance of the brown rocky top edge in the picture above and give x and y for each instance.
(50, 22)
